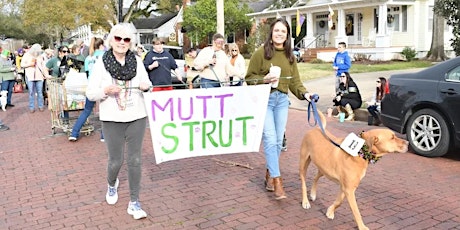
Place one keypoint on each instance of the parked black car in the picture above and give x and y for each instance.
(426, 107)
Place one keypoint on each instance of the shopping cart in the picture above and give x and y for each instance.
(65, 104)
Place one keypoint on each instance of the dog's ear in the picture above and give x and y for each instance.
(371, 141)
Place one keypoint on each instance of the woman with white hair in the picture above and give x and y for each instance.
(117, 81)
(34, 70)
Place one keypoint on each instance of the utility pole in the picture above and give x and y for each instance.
(120, 11)
(220, 17)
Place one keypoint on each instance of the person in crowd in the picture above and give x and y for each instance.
(53, 65)
(34, 69)
(12, 57)
(46, 56)
(19, 70)
(374, 104)
(341, 63)
(77, 59)
(348, 98)
(159, 65)
(117, 80)
(213, 64)
(7, 76)
(276, 51)
(56, 68)
(192, 53)
(239, 64)
(82, 48)
(141, 51)
(96, 50)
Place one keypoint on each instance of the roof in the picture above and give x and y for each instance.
(153, 23)
(260, 5)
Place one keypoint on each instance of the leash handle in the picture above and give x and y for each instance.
(312, 110)
(312, 105)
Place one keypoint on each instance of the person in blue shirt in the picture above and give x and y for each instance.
(341, 64)
(96, 51)
(159, 65)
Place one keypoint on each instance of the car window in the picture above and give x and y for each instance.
(176, 53)
(453, 75)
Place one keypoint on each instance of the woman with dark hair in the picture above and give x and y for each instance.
(53, 66)
(277, 51)
(374, 104)
(96, 50)
(348, 98)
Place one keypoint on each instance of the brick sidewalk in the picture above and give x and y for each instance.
(50, 183)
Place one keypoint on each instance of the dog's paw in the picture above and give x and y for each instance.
(312, 197)
(330, 213)
(306, 205)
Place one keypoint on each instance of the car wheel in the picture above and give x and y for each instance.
(427, 133)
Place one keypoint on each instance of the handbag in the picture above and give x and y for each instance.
(18, 88)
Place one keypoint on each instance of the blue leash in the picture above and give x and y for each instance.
(312, 105)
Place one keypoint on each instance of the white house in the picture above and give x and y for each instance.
(379, 28)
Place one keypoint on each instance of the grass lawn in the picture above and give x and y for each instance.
(310, 71)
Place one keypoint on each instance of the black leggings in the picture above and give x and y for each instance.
(353, 103)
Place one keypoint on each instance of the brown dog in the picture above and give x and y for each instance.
(339, 166)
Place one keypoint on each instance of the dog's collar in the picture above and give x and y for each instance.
(366, 154)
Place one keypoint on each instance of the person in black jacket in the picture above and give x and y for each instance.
(348, 97)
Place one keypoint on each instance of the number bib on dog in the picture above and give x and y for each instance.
(352, 144)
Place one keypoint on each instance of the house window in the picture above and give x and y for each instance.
(397, 18)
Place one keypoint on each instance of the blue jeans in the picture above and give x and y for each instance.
(89, 105)
(35, 87)
(206, 83)
(8, 86)
(274, 127)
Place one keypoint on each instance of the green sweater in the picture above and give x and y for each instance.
(259, 67)
(6, 70)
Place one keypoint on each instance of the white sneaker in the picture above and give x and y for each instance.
(72, 139)
(134, 209)
(112, 194)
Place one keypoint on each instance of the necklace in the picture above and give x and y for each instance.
(121, 101)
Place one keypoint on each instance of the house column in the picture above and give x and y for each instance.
(309, 37)
(382, 39)
(289, 21)
(341, 35)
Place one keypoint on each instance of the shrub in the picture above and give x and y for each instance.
(361, 57)
(409, 53)
(316, 61)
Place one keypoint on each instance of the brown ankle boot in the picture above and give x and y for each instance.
(279, 190)
(269, 182)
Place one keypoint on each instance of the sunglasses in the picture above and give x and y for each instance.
(343, 76)
(378, 81)
(219, 42)
(118, 39)
(65, 51)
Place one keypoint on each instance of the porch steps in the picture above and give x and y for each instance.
(312, 53)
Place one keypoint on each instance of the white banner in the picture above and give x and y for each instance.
(202, 122)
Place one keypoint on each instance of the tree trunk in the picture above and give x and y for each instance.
(437, 42)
